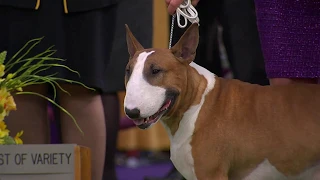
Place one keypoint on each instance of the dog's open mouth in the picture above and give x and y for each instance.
(146, 122)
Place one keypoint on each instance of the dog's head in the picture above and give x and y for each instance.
(155, 78)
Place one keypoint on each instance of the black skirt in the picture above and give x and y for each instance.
(83, 38)
(139, 16)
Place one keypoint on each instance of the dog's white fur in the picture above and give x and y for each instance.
(266, 171)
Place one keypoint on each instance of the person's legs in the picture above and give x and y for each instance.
(111, 112)
(30, 116)
(241, 40)
(86, 107)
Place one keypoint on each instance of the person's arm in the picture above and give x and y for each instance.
(174, 4)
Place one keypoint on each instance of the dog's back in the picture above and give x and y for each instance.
(275, 125)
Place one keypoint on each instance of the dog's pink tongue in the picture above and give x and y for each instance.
(138, 122)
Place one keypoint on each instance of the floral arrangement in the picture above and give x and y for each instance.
(28, 74)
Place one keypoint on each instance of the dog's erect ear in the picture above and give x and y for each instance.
(132, 43)
(185, 49)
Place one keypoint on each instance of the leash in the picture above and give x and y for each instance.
(188, 12)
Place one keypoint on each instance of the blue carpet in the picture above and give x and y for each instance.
(156, 170)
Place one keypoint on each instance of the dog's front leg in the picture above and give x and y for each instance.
(219, 177)
(214, 176)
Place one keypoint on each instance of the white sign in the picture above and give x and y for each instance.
(29, 161)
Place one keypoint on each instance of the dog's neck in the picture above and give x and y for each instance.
(190, 95)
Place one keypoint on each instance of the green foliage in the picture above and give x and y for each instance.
(3, 56)
(8, 140)
(30, 69)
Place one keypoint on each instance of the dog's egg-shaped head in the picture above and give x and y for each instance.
(154, 78)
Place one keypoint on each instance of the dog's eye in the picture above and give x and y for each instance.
(155, 71)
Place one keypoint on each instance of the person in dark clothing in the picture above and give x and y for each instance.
(239, 35)
(138, 15)
(82, 32)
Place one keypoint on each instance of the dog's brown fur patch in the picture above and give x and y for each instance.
(250, 123)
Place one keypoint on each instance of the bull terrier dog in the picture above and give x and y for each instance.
(219, 128)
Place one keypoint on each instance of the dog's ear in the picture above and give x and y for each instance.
(185, 49)
(132, 43)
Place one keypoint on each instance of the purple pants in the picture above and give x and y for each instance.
(290, 37)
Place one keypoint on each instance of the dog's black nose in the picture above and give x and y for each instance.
(132, 113)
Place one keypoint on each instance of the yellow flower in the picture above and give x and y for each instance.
(2, 67)
(17, 138)
(3, 129)
(3, 125)
(3, 94)
(4, 133)
(3, 98)
(3, 114)
(1, 141)
(10, 104)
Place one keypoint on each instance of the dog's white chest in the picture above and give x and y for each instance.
(180, 148)
(266, 171)
(182, 159)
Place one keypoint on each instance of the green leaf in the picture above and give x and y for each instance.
(37, 41)
(3, 56)
(8, 140)
(30, 69)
